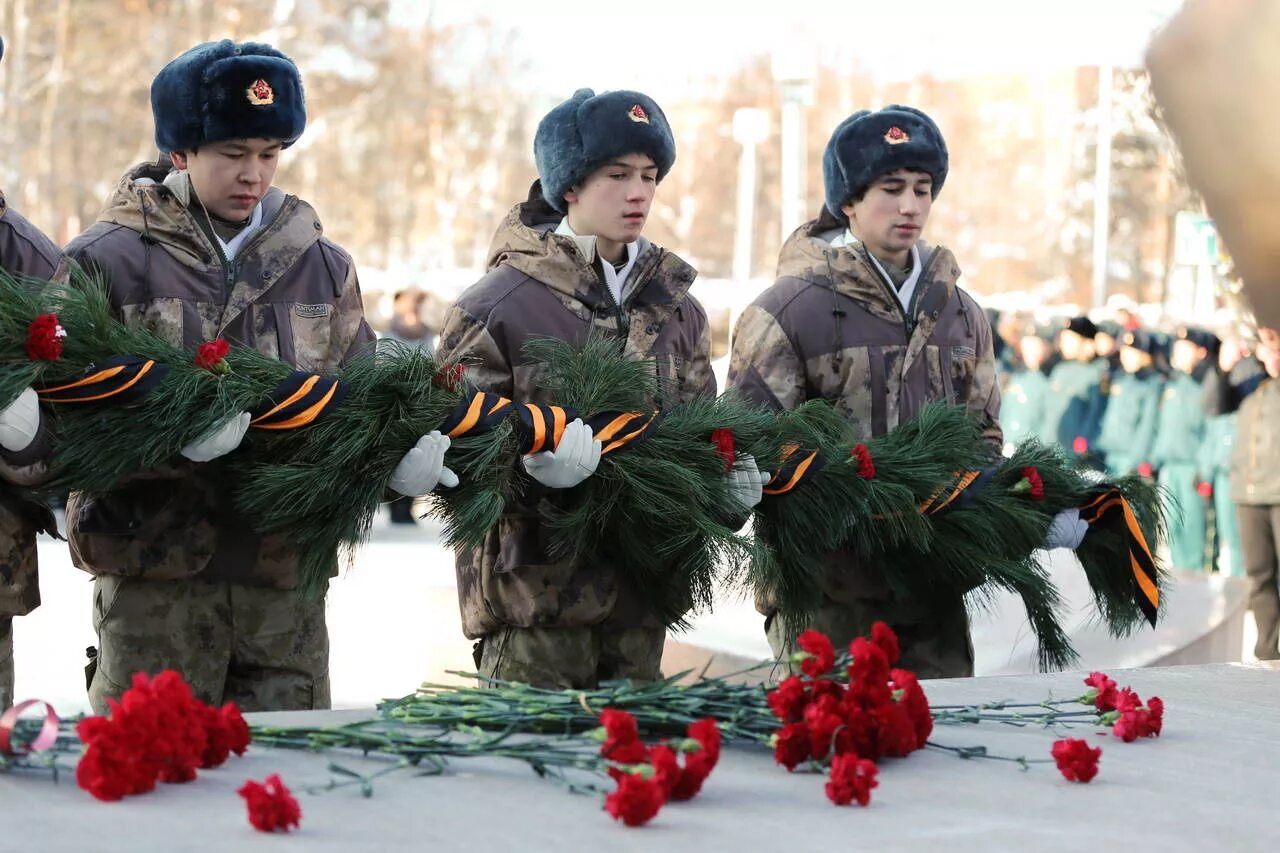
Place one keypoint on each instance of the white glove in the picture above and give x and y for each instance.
(1066, 531)
(746, 481)
(219, 441)
(575, 459)
(422, 468)
(20, 423)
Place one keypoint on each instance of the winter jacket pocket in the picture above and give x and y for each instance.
(523, 587)
(310, 332)
(156, 529)
(670, 369)
(963, 370)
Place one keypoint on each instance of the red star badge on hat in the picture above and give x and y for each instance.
(896, 136)
(260, 93)
(637, 113)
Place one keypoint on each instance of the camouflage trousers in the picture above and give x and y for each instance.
(264, 649)
(572, 658)
(935, 643)
(6, 662)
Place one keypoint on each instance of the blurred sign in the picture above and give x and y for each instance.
(1195, 240)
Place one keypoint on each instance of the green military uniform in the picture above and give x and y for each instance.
(1074, 406)
(1129, 425)
(1214, 465)
(1175, 453)
(1022, 405)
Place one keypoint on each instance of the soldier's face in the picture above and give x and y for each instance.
(1104, 344)
(890, 217)
(1133, 359)
(1075, 347)
(231, 177)
(612, 203)
(1185, 355)
(1034, 351)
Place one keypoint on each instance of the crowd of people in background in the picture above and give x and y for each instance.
(1193, 408)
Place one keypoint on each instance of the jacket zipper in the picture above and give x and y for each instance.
(907, 325)
(231, 269)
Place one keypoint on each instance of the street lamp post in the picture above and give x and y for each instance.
(750, 128)
(793, 70)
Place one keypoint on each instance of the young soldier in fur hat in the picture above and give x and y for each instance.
(24, 252)
(209, 249)
(569, 261)
(867, 316)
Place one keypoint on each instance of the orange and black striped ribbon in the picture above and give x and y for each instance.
(476, 414)
(618, 430)
(119, 379)
(1112, 508)
(794, 468)
(937, 503)
(539, 428)
(301, 399)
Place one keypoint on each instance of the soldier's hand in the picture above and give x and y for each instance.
(20, 422)
(1066, 531)
(746, 481)
(219, 441)
(422, 468)
(575, 458)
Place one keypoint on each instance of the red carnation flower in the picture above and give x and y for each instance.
(622, 743)
(636, 800)
(1035, 485)
(1155, 712)
(44, 338)
(271, 805)
(1080, 446)
(852, 778)
(723, 440)
(791, 745)
(788, 699)
(1145, 469)
(210, 355)
(707, 733)
(1076, 760)
(449, 378)
(619, 725)
(884, 637)
(866, 466)
(819, 654)
(1103, 695)
(914, 702)
(1204, 489)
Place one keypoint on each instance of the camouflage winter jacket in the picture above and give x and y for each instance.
(540, 285)
(1255, 460)
(290, 293)
(24, 251)
(830, 328)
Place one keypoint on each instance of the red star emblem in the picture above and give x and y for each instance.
(260, 93)
(896, 136)
(637, 113)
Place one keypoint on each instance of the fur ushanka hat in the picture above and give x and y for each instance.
(222, 90)
(869, 144)
(589, 129)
